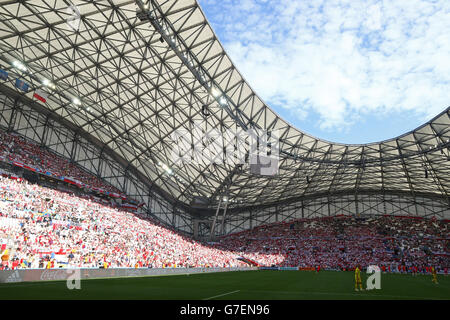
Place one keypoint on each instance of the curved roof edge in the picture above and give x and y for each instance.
(446, 110)
(139, 77)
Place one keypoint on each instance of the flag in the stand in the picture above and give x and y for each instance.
(129, 206)
(3, 75)
(29, 168)
(18, 164)
(40, 95)
(73, 181)
(22, 85)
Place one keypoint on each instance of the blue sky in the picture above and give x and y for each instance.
(350, 71)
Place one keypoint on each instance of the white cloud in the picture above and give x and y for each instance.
(342, 59)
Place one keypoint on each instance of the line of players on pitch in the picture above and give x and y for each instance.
(358, 281)
(414, 270)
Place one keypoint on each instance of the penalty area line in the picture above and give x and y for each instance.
(221, 295)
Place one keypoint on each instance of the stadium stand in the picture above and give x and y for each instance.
(342, 242)
(20, 152)
(45, 228)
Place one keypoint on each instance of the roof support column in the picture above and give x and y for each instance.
(328, 204)
(223, 218)
(74, 147)
(45, 131)
(303, 212)
(12, 119)
(215, 218)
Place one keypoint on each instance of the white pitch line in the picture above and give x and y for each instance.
(221, 295)
(362, 294)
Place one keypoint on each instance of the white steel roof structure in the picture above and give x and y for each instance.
(142, 70)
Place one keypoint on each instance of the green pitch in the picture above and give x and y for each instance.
(265, 285)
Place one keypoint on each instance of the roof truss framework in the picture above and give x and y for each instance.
(136, 91)
(365, 204)
(52, 134)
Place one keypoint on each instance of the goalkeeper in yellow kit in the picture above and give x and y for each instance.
(358, 279)
(434, 274)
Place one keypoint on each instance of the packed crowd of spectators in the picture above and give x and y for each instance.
(14, 148)
(45, 228)
(394, 243)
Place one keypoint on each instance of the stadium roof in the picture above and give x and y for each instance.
(129, 81)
